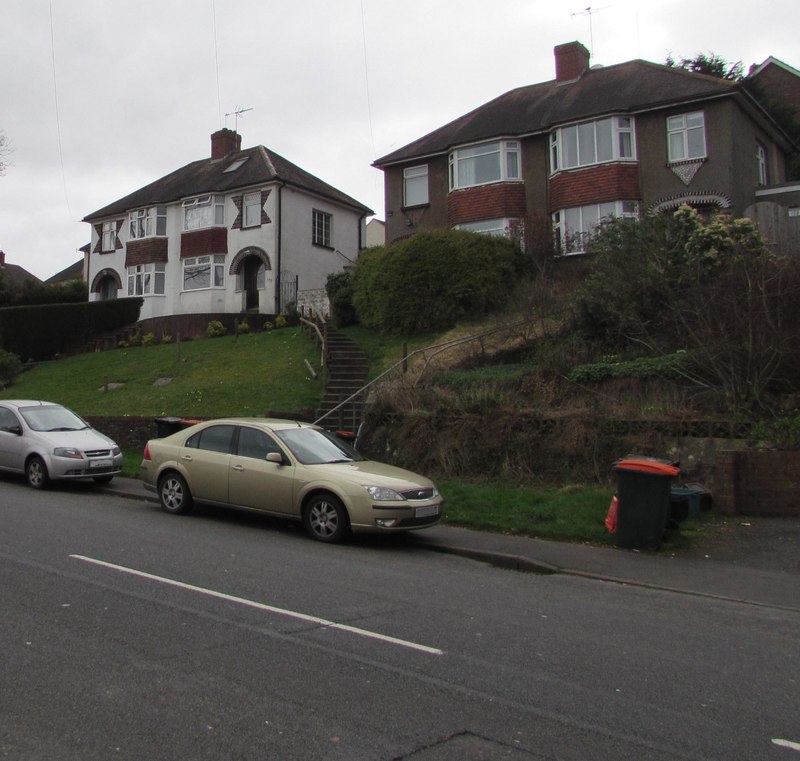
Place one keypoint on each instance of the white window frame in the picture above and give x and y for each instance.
(203, 212)
(147, 223)
(251, 209)
(196, 268)
(594, 142)
(468, 162)
(321, 228)
(147, 279)
(762, 165)
(686, 137)
(573, 227)
(415, 185)
(109, 236)
(500, 228)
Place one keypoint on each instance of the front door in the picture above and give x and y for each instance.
(252, 269)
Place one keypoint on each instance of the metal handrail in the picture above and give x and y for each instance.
(322, 341)
(439, 348)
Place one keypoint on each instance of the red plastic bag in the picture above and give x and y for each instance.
(611, 517)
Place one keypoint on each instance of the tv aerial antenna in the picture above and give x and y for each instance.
(237, 112)
(589, 11)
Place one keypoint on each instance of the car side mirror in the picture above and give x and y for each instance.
(276, 457)
(15, 429)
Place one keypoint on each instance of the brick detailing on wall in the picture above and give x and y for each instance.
(213, 240)
(496, 201)
(146, 251)
(757, 482)
(98, 247)
(238, 202)
(597, 184)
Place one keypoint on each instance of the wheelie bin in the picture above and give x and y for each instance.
(643, 494)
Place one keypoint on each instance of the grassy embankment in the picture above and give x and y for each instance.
(266, 373)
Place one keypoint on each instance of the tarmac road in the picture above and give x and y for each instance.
(744, 559)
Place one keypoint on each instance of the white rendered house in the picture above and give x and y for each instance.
(244, 231)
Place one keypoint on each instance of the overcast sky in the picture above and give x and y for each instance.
(101, 97)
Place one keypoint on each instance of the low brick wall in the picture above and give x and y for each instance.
(130, 432)
(757, 482)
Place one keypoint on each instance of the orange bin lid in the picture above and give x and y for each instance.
(647, 466)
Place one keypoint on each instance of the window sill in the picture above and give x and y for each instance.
(322, 245)
(416, 206)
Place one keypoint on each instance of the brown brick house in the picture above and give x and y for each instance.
(623, 140)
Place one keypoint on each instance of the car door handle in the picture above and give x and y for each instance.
(238, 467)
(186, 457)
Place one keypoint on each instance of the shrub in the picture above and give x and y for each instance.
(135, 338)
(166, 338)
(281, 321)
(268, 326)
(432, 280)
(340, 290)
(10, 368)
(149, 339)
(216, 329)
(243, 327)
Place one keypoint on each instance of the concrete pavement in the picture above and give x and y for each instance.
(756, 562)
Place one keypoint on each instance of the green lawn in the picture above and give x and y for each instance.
(250, 375)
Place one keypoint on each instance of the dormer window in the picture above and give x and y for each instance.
(236, 164)
(203, 211)
(145, 223)
(485, 163)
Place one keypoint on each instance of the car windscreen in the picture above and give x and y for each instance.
(52, 418)
(314, 447)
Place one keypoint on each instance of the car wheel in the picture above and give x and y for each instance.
(103, 479)
(326, 518)
(174, 494)
(36, 473)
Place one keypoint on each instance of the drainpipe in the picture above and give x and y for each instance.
(278, 247)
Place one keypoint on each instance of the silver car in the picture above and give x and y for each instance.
(47, 441)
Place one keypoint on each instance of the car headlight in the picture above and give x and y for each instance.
(115, 451)
(70, 452)
(384, 494)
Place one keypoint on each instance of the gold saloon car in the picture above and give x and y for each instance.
(287, 469)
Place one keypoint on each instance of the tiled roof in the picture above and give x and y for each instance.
(625, 88)
(209, 176)
(73, 272)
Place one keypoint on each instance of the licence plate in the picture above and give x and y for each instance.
(424, 512)
(100, 463)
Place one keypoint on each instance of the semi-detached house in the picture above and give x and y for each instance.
(625, 140)
(244, 231)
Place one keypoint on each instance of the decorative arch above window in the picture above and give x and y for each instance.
(102, 275)
(236, 262)
(692, 199)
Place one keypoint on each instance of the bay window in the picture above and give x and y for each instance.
(485, 163)
(593, 142)
(145, 223)
(204, 272)
(146, 279)
(498, 227)
(203, 211)
(574, 227)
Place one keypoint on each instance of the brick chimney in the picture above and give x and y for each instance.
(572, 60)
(225, 142)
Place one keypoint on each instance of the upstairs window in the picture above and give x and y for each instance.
(251, 204)
(592, 143)
(203, 211)
(145, 223)
(686, 136)
(321, 228)
(762, 165)
(484, 163)
(415, 185)
(109, 236)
